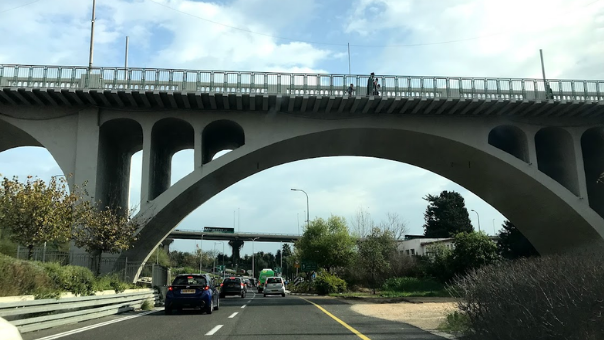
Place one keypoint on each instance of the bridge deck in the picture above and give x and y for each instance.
(259, 237)
(307, 93)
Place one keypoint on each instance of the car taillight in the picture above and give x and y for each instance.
(221, 284)
(170, 288)
(242, 285)
(206, 288)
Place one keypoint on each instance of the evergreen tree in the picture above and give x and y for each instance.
(446, 215)
(512, 244)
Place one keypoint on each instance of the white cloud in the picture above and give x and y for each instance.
(571, 33)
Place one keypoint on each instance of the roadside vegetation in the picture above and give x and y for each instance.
(49, 280)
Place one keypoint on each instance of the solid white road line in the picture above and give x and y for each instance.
(243, 306)
(79, 330)
(214, 330)
(233, 315)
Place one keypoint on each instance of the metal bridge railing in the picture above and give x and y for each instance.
(234, 82)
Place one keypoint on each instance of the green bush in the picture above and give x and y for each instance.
(111, 282)
(147, 305)
(455, 322)
(327, 283)
(74, 279)
(21, 277)
(412, 284)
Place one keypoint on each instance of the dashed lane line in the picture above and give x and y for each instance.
(214, 330)
(233, 315)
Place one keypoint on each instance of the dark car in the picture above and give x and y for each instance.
(233, 286)
(192, 291)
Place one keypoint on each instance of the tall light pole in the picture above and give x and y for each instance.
(214, 269)
(253, 258)
(478, 216)
(92, 35)
(494, 232)
(281, 243)
(307, 211)
(201, 254)
(223, 266)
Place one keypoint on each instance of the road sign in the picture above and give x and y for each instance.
(308, 266)
(220, 267)
(218, 230)
(278, 270)
(296, 265)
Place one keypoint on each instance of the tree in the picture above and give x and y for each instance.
(446, 215)
(36, 212)
(472, 251)
(394, 225)
(328, 243)
(513, 244)
(374, 253)
(109, 230)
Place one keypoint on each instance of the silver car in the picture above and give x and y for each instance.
(274, 286)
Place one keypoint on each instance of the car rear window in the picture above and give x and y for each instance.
(190, 280)
(232, 279)
(274, 280)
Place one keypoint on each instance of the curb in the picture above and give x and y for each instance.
(304, 294)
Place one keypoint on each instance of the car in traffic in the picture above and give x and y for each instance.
(192, 291)
(274, 286)
(233, 286)
(264, 274)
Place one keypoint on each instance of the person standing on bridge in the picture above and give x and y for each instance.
(350, 90)
(370, 84)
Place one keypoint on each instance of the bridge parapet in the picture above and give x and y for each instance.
(236, 82)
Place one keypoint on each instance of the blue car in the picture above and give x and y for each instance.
(192, 291)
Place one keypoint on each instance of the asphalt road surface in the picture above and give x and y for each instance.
(252, 318)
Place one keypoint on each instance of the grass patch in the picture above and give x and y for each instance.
(147, 305)
(456, 323)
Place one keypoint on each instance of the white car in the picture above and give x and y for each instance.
(274, 286)
(8, 331)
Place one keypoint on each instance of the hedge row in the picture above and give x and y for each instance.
(49, 280)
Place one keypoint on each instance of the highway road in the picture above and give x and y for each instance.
(252, 318)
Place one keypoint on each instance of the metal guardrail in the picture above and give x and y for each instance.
(57, 312)
(110, 78)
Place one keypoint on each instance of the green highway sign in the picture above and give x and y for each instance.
(218, 230)
(220, 267)
(278, 270)
(308, 266)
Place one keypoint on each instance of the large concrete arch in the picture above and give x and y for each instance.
(542, 208)
(13, 137)
(592, 146)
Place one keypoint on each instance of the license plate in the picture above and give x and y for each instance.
(233, 285)
(187, 291)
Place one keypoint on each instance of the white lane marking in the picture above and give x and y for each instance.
(233, 315)
(249, 301)
(79, 330)
(243, 306)
(214, 330)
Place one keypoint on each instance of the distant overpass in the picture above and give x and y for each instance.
(213, 236)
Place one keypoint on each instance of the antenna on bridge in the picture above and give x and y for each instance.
(92, 35)
(126, 61)
(348, 58)
(542, 66)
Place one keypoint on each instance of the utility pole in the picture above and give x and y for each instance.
(126, 60)
(478, 216)
(90, 58)
(348, 58)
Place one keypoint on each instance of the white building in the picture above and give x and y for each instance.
(415, 245)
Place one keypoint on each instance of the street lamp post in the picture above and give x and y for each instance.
(307, 211)
(223, 266)
(478, 216)
(214, 269)
(253, 258)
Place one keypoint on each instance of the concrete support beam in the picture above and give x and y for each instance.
(146, 166)
(580, 164)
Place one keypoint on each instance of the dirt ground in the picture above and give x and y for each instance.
(424, 313)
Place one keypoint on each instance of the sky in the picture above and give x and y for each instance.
(470, 38)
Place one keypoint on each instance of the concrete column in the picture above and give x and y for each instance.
(147, 166)
(197, 147)
(87, 150)
(581, 178)
(236, 245)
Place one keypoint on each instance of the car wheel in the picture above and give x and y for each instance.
(222, 296)
(217, 304)
(264, 295)
(283, 295)
(210, 307)
(167, 311)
